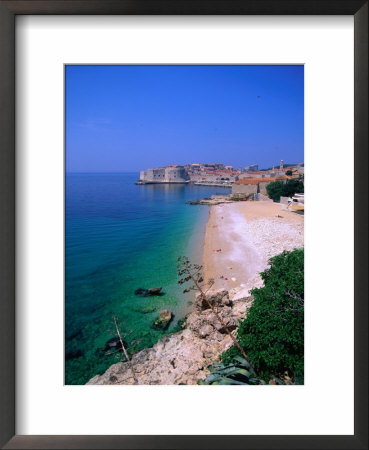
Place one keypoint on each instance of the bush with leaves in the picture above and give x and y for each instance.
(272, 334)
(277, 188)
(292, 187)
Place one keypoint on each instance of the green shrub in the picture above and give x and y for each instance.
(277, 188)
(292, 187)
(272, 334)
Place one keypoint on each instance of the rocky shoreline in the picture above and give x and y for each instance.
(229, 198)
(183, 357)
(211, 201)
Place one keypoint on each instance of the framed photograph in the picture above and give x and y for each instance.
(176, 180)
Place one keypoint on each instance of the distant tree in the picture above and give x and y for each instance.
(289, 172)
(292, 187)
(275, 190)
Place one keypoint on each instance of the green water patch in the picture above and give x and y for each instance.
(86, 354)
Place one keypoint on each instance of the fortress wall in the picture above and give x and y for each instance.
(176, 175)
(164, 175)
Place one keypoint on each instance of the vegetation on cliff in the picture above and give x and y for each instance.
(272, 334)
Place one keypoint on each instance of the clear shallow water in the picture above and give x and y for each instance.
(121, 237)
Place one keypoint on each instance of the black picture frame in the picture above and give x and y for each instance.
(8, 12)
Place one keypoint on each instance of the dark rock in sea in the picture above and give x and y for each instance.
(151, 291)
(114, 344)
(164, 319)
(73, 354)
(155, 291)
(141, 291)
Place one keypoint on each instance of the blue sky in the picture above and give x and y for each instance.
(129, 118)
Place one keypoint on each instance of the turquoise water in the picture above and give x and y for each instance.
(121, 237)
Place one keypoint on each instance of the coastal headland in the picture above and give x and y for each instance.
(240, 239)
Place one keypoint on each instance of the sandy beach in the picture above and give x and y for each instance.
(241, 237)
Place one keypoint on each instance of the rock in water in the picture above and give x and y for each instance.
(150, 291)
(72, 354)
(113, 344)
(164, 319)
(154, 291)
(141, 291)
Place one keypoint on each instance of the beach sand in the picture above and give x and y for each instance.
(241, 237)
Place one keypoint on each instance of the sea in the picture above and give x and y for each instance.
(120, 237)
